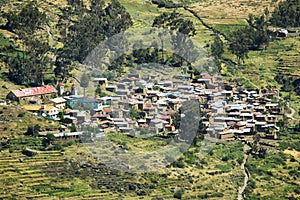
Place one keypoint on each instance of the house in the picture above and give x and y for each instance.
(225, 134)
(84, 102)
(169, 128)
(64, 136)
(34, 95)
(44, 110)
(101, 81)
(59, 103)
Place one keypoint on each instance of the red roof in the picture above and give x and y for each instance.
(48, 89)
(169, 112)
(165, 117)
(206, 76)
(107, 110)
(100, 116)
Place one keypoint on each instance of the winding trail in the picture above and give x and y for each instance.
(290, 115)
(245, 172)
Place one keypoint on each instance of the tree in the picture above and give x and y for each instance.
(98, 91)
(30, 66)
(27, 21)
(258, 31)
(33, 130)
(48, 140)
(217, 48)
(63, 65)
(94, 25)
(133, 114)
(176, 118)
(84, 81)
(239, 43)
(182, 29)
(287, 13)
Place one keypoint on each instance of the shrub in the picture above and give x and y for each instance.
(178, 193)
(178, 164)
(21, 114)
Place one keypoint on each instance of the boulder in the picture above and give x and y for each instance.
(29, 152)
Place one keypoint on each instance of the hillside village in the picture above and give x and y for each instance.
(227, 110)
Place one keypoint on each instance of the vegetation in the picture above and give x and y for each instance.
(286, 14)
(81, 30)
(65, 169)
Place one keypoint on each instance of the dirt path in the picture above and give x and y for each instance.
(245, 172)
(290, 115)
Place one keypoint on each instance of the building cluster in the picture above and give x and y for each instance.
(138, 104)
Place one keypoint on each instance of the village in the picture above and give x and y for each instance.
(138, 103)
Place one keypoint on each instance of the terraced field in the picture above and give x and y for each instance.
(75, 174)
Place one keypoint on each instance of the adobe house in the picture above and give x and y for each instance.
(169, 128)
(102, 82)
(44, 110)
(225, 135)
(59, 103)
(36, 94)
(65, 136)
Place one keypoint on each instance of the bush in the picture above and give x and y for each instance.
(178, 164)
(178, 193)
(57, 146)
(21, 114)
(297, 191)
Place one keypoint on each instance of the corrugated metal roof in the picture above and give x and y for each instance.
(48, 89)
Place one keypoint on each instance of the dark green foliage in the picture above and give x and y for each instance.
(61, 115)
(84, 81)
(178, 193)
(174, 21)
(251, 37)
(21, 114)
(93, 27)
(176, 118)
(81, 27)
(244, 39)
(33, 130)
(178, 163)
(239, 42)
(27, 21)
(190, 158)
(258, 34)
(30, 67)
(98, 91)
(48, 140)
(250, 187)
(181, 42)
(73, 128)
(166, 3)
(217, 48)
(286, 14)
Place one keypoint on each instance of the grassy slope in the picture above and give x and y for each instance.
(50, 174)
(259, 71)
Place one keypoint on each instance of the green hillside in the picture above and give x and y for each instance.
(52, 49)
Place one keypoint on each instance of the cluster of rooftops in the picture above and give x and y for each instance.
(140, 103)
